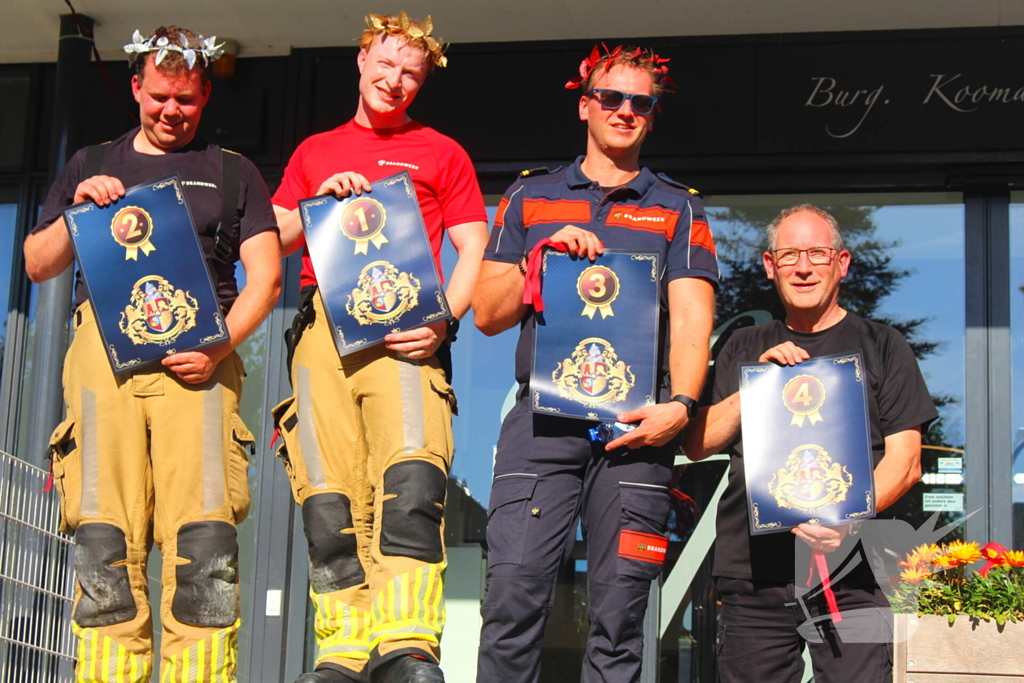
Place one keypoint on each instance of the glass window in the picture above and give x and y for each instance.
(484, 380)
(907, 271)
(1017, 356)
(16, 333)
(8, 233)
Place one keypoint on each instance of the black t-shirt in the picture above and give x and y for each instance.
(897, 400)
(199, 165)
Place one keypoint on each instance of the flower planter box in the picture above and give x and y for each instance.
(928, 650)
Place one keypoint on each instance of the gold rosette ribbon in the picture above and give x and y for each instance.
(798, 418)
(590, 309)
(131, 253)
(377, 240)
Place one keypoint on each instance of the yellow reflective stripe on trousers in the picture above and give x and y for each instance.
(341, 630)
(102, 659)
(410, 607)
(212, 659)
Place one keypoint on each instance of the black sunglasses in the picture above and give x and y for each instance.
(613, 99)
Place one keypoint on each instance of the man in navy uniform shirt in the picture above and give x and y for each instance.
(547, 473)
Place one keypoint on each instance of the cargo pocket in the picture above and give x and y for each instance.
(642, 540)
(286, 420)
(508, 516)
(441, 421)
(243, 444)
(66, 465)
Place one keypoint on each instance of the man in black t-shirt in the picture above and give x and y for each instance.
(159, 453)
(760, 613)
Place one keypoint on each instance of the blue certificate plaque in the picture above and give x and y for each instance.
(148, 281)
(806, 443)
(596, 348)
(373, 262)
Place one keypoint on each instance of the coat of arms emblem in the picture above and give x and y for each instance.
(593, 374)
(810, 480)
(382, 294)
(158, 313)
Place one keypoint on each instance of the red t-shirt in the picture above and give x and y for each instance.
(441, 171)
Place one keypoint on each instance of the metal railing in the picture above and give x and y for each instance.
(36, 579)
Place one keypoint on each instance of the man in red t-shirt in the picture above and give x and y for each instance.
(369, 456)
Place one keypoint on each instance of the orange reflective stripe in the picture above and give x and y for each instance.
(499, 216)
(536, 211)
(700, 236)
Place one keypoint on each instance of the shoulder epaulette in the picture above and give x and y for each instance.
(674, 183)
(541, 170)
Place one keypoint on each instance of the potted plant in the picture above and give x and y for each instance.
(953, 623)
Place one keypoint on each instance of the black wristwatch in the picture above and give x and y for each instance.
(453, 329)
(691, 405)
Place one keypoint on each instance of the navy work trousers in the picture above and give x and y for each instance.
(548, 475)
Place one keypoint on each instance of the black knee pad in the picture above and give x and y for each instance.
(411, 521)
(207, 591)
(106, 591)
(333, 556)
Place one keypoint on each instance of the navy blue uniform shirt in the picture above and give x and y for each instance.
(650, 213)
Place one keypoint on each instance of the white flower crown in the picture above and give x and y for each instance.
(207, 48)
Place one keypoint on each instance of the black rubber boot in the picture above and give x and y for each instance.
(326, 676)
(409, 669)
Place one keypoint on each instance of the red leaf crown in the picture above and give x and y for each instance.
(640, 58)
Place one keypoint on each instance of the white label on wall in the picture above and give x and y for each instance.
(951, 465)
(943, 502)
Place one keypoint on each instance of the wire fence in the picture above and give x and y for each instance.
(36, 579)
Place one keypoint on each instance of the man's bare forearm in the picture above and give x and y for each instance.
(48, 252)
(290, 226)
(498, 300)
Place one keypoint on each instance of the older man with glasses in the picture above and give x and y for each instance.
(758, 638)
(547, 474)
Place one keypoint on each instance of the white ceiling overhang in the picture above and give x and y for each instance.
(30, 28)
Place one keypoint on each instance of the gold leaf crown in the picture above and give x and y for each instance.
(416, 33)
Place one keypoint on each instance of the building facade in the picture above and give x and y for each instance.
(912, 138)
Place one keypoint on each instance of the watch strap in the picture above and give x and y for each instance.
(691, 404)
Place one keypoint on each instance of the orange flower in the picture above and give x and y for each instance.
(914, 575)
(959, 554)
(1014, 558)
(920, 556)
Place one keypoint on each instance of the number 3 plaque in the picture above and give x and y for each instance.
(596, 349)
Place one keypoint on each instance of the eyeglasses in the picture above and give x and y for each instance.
(613, 99)
(818, 256)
